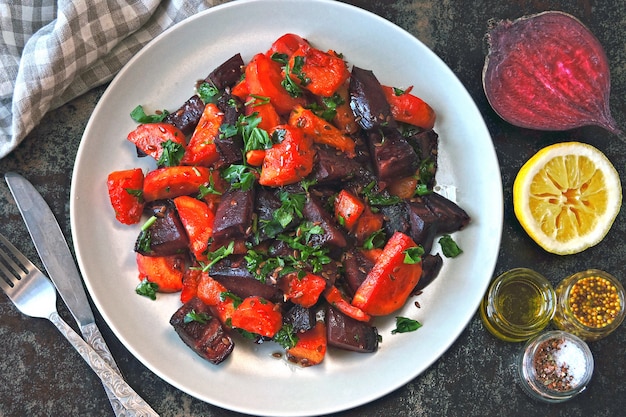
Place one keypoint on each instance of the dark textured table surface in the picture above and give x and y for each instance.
(40, 375)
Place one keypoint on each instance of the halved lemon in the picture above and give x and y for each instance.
(567, 196)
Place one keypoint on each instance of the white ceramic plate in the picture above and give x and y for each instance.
(163, 75)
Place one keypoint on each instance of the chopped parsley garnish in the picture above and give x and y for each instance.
(210, 189)
(413, 255)
(147, 289)
(239, 176)
(449, 247)
(139, 115)
(234, 297)
(406, 325)
(286, 337)
(218, 254)
(208, 92)
(290, 209)
(172, 154)
(192, 316)
(378, 199)
(288, 83)
(375, 240)
(135, 192)
(145, 237)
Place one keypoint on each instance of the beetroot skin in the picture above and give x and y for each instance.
(548, 72)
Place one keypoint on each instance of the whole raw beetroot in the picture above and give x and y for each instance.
(547, 72)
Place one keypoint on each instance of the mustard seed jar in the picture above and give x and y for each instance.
(518, 305)
(590, 304)
(555, 366)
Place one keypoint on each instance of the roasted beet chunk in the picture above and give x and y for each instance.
(187, 116)
(452, 218)
(301, 318)
(232, 272)
(166, 236)
(356, 267)
(423, 224)
(431, 266)
(229, 146)
(227, 74)
(368, 101)
(347, 333)
(392, 156)
(233, 216)
(202, 332)
(333, 166)
(314, 211)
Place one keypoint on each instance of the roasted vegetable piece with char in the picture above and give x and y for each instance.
(292, 200)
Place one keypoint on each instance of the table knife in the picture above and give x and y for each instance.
(58, 261)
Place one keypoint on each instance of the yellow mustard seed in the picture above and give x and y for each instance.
(594, 301)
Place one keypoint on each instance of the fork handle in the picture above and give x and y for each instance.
(110, 378)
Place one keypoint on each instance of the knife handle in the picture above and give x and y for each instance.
(109, 377)
(94, 338)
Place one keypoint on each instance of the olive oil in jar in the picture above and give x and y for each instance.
(518, 304)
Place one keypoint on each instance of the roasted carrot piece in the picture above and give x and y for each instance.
(125, 193)
(311, 346)
(165, 271)
(404, 187)
(305, 290)
(240, 90)
(321, 131)
(391, 280)
(201, 150)
(344, 118)
(255, 157)
(257, 315)
(265, 110)
(170, 182)
(322, 73)
(210, 292)
(191, 277)
(264, 78)
(368, 223)
(198, 222)
(149, 137)
(348, 209)
(288, 161)
(339, 301)
(407, 108)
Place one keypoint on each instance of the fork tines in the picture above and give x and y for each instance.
(12, 262)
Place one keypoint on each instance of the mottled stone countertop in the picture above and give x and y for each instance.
(41, 376)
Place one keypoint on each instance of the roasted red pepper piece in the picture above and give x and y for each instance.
(265, 110)
(149, 137)
(305, 290)
(311, 346)
(125, 193)
(408, 108)
(264, 78)
(287, 44)
(323, 72)
(339, 301)
(348, 209)
(165, 271)
(255, 157)
(320, 131)
(257, 315)
(170, 182)
(201, 150)
(198, 222)
(290, 160)
(391, 281)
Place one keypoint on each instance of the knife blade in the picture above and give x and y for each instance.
(56, 257)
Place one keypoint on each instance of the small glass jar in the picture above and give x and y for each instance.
(518, 305)
(590, 304)
(555, 366)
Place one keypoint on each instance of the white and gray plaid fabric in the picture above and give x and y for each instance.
(53, 51)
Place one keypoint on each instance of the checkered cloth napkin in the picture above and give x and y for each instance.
(53, 51)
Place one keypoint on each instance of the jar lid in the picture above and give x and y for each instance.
(518, 305)
(555, 366)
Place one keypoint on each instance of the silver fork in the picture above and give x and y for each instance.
(34, 295)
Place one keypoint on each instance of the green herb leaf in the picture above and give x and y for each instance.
(219, 254)
(139, 115)
(208, 92)
(286, 337)
(192, 316)
(147, 289)
(239, 176)
(377, 199)
(210, 189)
(449, 247)
(406, 325)
(413, 255)
(172, 154)
(375, 240)
(228, 294)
